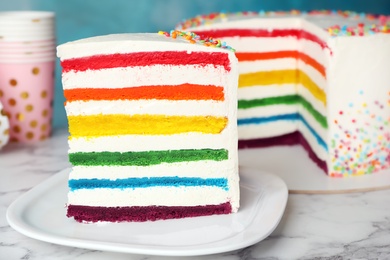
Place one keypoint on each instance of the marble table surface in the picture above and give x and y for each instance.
(338, 226)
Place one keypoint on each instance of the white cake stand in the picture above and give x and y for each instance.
(291, 163)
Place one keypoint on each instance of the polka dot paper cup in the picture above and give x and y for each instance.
(27, 61)
(26, 92)
(4, 127)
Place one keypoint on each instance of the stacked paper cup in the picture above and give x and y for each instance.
(27, 65)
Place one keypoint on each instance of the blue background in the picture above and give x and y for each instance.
(78, 19)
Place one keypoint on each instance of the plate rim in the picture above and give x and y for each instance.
(16, 208)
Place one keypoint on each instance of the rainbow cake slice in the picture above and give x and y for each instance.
(153, 127)
(320, 79)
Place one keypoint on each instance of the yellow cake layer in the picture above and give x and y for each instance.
(280, 77)
(119, 124)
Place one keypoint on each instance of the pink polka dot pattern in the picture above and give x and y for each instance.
(29, 111)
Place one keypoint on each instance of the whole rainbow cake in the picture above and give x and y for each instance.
(320, 79)
(153, 127)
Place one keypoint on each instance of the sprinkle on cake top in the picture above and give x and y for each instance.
(359, 30)
(194, 38)
(381, 23)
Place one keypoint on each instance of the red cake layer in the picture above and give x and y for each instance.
(288, 139)
(123, 60)
(141, 214)
(253, 56)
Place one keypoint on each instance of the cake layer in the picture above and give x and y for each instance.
(156, 196)
(278, 105)
(291, 55)
(120, 124)
(146, 182)
(146, 158)
(268, 66)
(159, 107)
(135, 143)
(137, 59)
(141, 214)
(282, 77)
(168, 92)
(202, 169)
(154, 75)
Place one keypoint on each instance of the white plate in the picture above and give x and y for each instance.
(40, 214)
(292, 164)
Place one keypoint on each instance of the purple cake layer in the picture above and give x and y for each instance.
(288, 139)
(141, 214)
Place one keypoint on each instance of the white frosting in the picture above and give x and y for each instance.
(308, 96)
(277, 128)
(202, 169)
(266, 130)
(318, 150)
(274, 110)
(127, 43)
(267, 65)
(158, 107)
(267, 111)
(159, 196)
(244, 22)
(313, 74)
(325, 21)
(257, 92)
(251, 44)
(125, 143)
(145, 76)
(360, 88)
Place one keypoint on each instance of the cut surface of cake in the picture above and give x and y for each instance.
(153, 127)
(319, 79)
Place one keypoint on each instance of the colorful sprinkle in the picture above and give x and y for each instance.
(368, 151)
(382, 22)
(196, 39)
